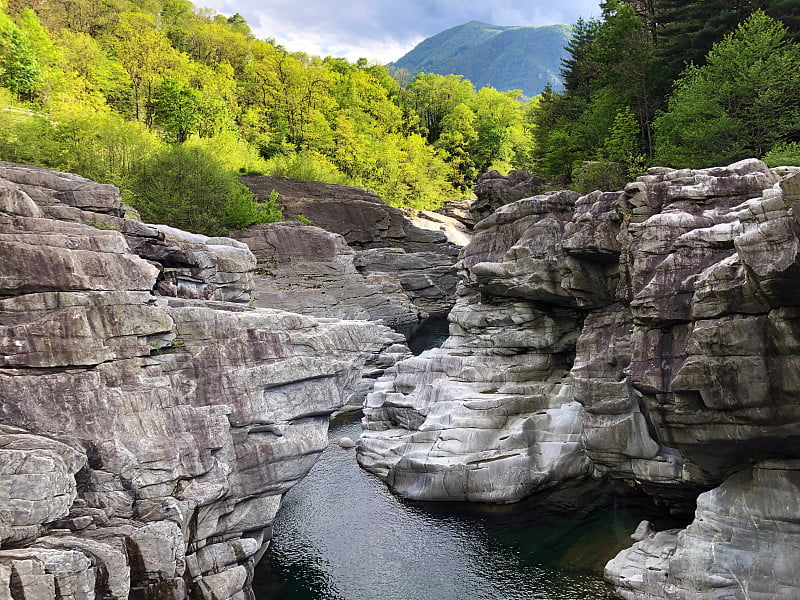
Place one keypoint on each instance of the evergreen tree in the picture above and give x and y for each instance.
(739, 104)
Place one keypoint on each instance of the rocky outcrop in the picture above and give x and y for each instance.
(647, 337)
(394, 254)
(309, 270)
(150, 421)
(493, 190)
(489, 417)
(360, 216)
(742, 544)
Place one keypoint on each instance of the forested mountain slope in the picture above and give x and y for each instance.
(503, 57)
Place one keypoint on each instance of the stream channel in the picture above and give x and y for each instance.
(342, 535)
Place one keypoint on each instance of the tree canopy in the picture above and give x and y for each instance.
(683, 84)
(109, 89)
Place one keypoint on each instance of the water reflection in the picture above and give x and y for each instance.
(342, 535)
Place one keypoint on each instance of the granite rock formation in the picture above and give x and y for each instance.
(489, 417)
(648, 337)
(394, 254)
(493, 190)
(150, 421)
(311, 271)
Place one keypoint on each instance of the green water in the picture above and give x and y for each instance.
(342, 535)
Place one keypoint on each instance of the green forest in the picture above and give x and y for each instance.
(172, 103)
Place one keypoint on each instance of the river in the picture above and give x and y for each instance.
(341, 535)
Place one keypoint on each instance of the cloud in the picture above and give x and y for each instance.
(384, 30)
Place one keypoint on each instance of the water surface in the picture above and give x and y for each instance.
(342, 535)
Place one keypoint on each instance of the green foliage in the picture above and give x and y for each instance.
(603, 175)
(622, 146)
(242, 209)
(783, 154)
(20, 72)
(118, 81)
(304, 166)
(740, 103)
(184, 186)
(176, 109)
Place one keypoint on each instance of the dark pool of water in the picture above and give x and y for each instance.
(342, 535)
(431, 334)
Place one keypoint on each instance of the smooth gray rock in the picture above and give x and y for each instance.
(388, 241)
(150, 431)
(309, 270)
(659, 326)
(488, 417)
(742, 544)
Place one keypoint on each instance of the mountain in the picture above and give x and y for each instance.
(506, 58)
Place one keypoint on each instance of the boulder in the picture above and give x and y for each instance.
(489, 416)
(742, 544)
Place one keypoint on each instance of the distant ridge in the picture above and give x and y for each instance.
(503, 57)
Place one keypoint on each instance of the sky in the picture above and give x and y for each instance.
(384, 30)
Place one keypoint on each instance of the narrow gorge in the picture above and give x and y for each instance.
(161, 391)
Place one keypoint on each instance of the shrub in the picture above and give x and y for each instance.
(184, 186)
(602, 175)
(305, 166)
(783, 154)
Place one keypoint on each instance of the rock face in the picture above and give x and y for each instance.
(309, 270)
(393, 254)
(150, 421)
(648, 336)
(742, 544)
(493, 190)
(489, 417)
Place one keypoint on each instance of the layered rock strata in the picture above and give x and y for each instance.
(646, 336)
(416, 252)
(489, 416)
(493, 190)
(148, 425)
(311, 271)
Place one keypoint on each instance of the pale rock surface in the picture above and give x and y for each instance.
(741, 545)
(488, 417)
(149, 429)
(396, 253)
(493, 190)
(648, 336)
(309, 270)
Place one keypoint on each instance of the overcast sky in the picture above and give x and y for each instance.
(384, 30)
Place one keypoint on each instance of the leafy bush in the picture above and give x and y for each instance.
(783, 154)
(243, 209)
(603, 175)
(305, 166)
(184, 186)
(234, 153)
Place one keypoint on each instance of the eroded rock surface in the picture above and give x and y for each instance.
(488, 417)
(742, 544)
(648, 336)
(150, 421)
(395, 253)
(493, 190)
(309, 270)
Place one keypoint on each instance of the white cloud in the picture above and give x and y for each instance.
(384, 30)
